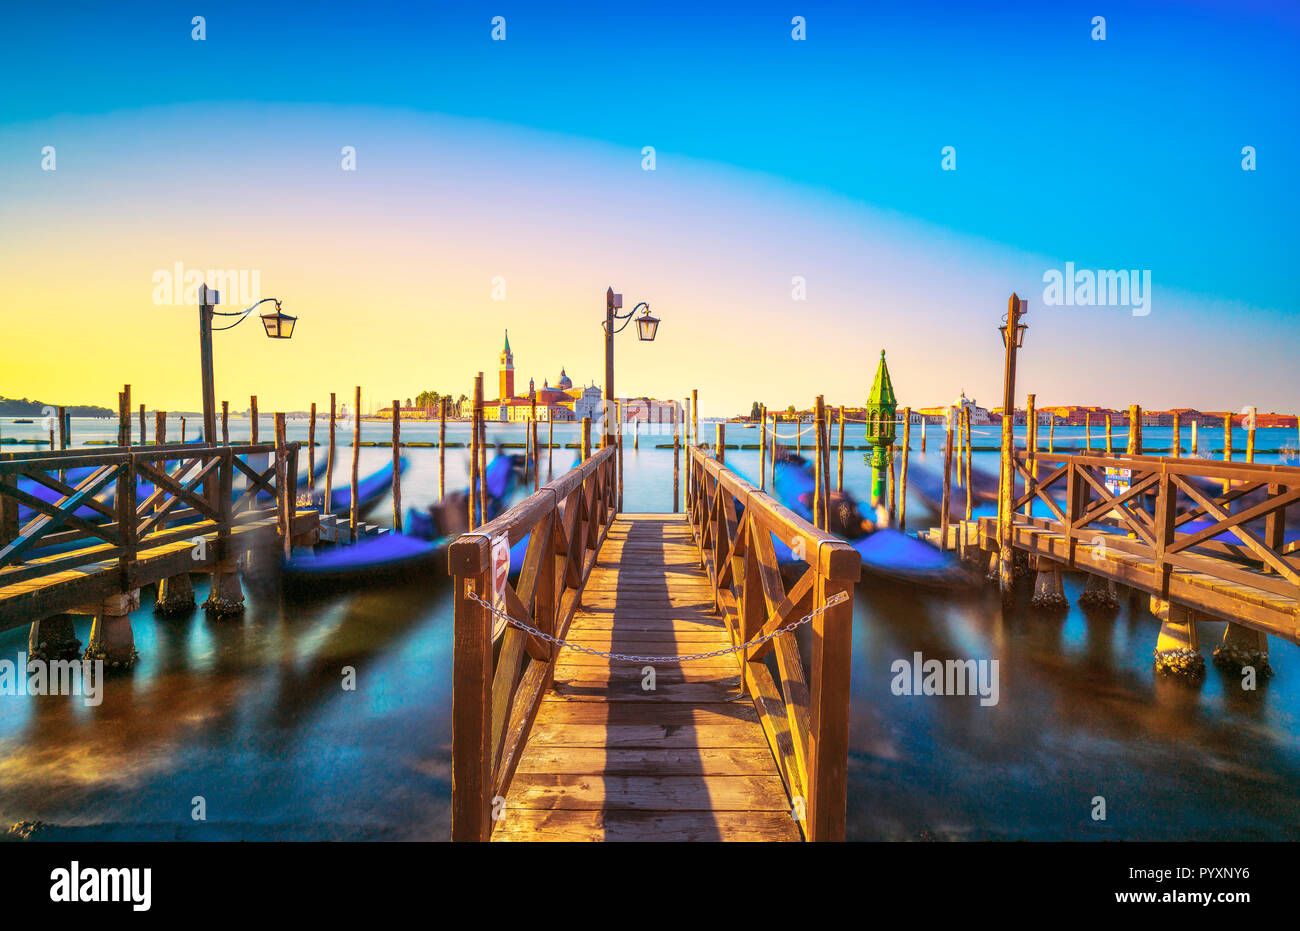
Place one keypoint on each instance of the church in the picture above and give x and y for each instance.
(561, 402)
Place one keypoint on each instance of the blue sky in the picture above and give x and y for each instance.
(1123, 153)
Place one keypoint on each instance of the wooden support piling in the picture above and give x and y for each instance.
(677, 461)
(1110, 446)
(1031, 446)
(472, 497)
(311, 452)
(397, 465)
(839, 468)
(537, 458)
(144, 437)
(720, 443)
(586, 438)
(1195, 446)
(947, 481)
(636, 434)
(969, 499)
(252, 419)
(160, 428)
(1134, 430)
(1177, 448)
(1227, 436)
(618, 425)
(225, 423)
(1087, 432)
(284, 506)
(1250, 436)
(826, 465)
(355, 510)
(442, 448)
(821, 491)
(329, 458)
(1051, 434)
(923, 426)
(695, 418)
(550, 448)
(482, 453)
(893, 488)
(902, 483)
(762, 451)
(182, 431)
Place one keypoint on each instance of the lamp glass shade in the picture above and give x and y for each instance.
(278, 325)
(646, 327)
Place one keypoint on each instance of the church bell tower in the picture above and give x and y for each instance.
(507, 370)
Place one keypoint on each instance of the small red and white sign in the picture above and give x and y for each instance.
(500, 570)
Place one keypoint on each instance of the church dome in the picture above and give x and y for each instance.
(565, 382)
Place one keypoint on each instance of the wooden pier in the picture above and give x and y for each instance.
(77, 552)
(556, 743)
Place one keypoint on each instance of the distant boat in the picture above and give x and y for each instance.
(24, 420)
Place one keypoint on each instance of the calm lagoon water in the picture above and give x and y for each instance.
(251, 714)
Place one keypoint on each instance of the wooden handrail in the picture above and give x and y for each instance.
(495, 701)
(806, 721)
(130, 526)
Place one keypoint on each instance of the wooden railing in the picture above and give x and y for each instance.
(1171, 513)
(495, 701)
(181, 484)
(804, 712)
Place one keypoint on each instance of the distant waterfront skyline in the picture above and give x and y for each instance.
(782, 168)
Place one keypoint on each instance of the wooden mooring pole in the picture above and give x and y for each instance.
(537, 458)
(821, 491)
(586, 438)
(1177, 448)
(482, 453)
(1110, 445)
(720, 443)
(1031, 445)
(160, 428)
(397, 465)
(442, 448)
(472, 497)
(762, 452)
(618, 425)
(329, 458)
(1250, 435)
(969, 499)
(311, 453)
(902, 482)
(284, 503)
(1087, 432)
(550, 447)
(947, 480)
(355, 509)
(839, 467)
(677, 461)
(252, 419)
(225, 423)
(144, 440)
(1134, 430)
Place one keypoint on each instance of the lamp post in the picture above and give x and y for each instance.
(647, 326)
(278, 325)
(1013, 337)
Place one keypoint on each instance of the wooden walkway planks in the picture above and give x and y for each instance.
(609, 760)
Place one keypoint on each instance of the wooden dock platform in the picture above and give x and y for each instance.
(610, 759)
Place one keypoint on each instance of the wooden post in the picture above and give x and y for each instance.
(355, 508)
(1031, 446)
(821, 506)
(902, 483)
(63, 426)
(695, 417)
(586, 438)
(1227, 437)
(252, 419)
(828, 713)
(143, 436)
(442, 448)
(397, 465)
(1177, 450)
(1110, 445)
(471, 703)
(473, 454)
(762, 452)
(182, 431)
(1134, 430)
(283, 504)
(826, 467)
(482, 453)
(636, 434)
(618, 425)
(225, 423)
(537, 459)
(1051, 434)
(969, 499)
(1195, 447)
(1087, 432)
(311, 453)
(798, 434)
(947, 481)
(329, 459)
(839, 466)
(550, 447)
(677, 461)
(1250, 436)
(893, 487)
(160, 428)
(720, 450)
(923, 426)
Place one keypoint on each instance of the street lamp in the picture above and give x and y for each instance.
(278, 325)
(647, 326)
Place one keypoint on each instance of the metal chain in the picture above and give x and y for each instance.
(837, 598)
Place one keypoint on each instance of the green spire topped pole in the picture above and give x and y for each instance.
(882, 409)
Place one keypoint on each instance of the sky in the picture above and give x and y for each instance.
(798, 218)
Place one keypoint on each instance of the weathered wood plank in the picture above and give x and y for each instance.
(648, 793)
(559, 825)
